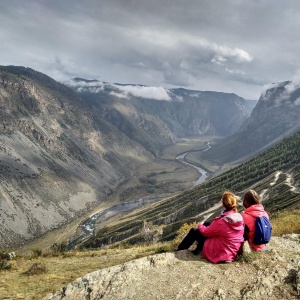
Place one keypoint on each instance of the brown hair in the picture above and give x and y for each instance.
(250, 198)
(229, 201)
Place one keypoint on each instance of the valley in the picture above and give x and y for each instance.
(171, 177)
(257, 173)
(68, 152)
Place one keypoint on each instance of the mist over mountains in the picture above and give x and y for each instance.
(156, 117)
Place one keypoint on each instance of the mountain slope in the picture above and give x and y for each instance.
(275, 116)
(274, 174)
(56, 160)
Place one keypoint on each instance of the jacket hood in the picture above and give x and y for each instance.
(256, 210)
(235, 220)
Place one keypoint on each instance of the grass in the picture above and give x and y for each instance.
(286, 222)
(32, 276)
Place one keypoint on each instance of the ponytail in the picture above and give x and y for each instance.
(229, 201)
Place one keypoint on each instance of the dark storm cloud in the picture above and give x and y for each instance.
(232, 46)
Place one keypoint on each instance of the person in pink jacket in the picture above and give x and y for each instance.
(221, 240)
(253, 210)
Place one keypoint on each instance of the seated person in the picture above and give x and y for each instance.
(221, 240)
(253, 210)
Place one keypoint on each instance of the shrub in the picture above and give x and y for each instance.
(58, 248)
(4, 265)
(36, 253)
(4, 255)
(151, 233)
(36, 269)
(182, 232)
(4, 258)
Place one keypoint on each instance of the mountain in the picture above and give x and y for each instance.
(57, 160)
(155, 117)
(251, 103)
(274, 174)
(64, 149)
(276, 115)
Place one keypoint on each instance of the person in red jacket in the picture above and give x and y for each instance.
(221, 240)
(253, 210)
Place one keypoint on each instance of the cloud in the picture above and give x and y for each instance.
(120, 91)
(238, 55)
(292, 86)
(219, 60)
(155, 93)
(297, 101)
(233, 46)
(92, 86)
(119, 95)
(265, 89)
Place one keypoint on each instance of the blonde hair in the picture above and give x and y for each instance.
(229, 201)
(250, 198)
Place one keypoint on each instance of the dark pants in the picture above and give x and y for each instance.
(193, 235)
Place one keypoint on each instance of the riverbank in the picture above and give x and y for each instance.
(169, 175)
(99, 219)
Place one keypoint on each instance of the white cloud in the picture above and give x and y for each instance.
(155, 93)
(121, 91)
(297, 101)
(92, 86)
(239, 55)
(219, 60)
(266, 87)
(119, 95)
(292, 86)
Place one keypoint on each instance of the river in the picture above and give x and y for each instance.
(88, 226)
(202, 173)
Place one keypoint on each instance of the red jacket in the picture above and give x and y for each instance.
(225, 236)
(249, 216)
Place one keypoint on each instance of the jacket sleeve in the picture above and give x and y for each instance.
(212, 230)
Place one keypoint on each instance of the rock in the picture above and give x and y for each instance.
(298, 280)
(186, 276)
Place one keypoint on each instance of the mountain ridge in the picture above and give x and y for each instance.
(275, 116)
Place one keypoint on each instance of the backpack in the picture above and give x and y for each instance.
(263, 231)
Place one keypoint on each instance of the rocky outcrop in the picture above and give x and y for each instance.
(271, 275)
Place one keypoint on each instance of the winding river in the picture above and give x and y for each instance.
(202, 173)
(88, 226)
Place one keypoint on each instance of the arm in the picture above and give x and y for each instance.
(212, 230)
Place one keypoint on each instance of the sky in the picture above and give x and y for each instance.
(233, 46)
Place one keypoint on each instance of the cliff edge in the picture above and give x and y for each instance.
(271, 275)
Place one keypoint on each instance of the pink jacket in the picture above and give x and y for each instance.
(225, 236)
(249, 215)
